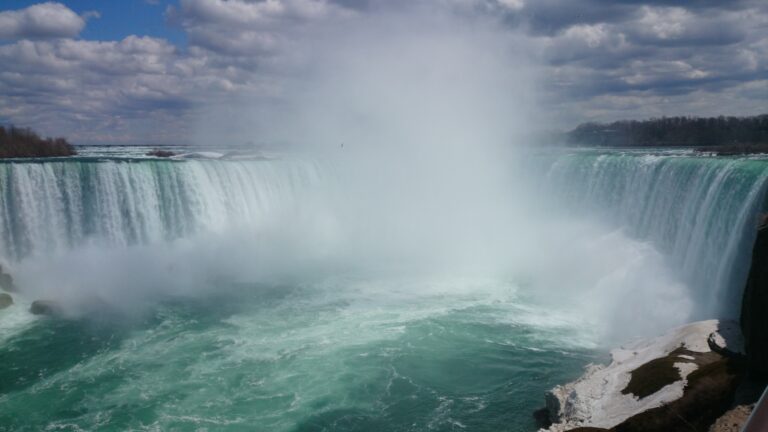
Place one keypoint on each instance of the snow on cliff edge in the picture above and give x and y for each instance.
(599, 398)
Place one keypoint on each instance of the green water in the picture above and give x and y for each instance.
(342, 356)
(186, 344)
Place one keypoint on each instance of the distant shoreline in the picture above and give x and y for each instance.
(735, 149)
(25, 143)
(722, 135)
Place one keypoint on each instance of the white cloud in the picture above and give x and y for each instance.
(648, 72)
(92, 14)
(45, 20)
(615, 61)
(591, 35)
(91, 89)
(266, 13)
(514, 5)
(239, 27)
(664, 23)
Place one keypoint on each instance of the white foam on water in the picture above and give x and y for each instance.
(15, 318)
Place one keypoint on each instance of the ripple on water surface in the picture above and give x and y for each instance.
(338, 356)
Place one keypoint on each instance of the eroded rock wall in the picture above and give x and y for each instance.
(754, 308)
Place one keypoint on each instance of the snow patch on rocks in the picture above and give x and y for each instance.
(596, 398)
(727, 340)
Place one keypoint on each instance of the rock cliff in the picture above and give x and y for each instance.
(754, 307)
(663, 384)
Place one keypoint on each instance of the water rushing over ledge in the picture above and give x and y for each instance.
(275, 326)
(63, 204)
(700, 211)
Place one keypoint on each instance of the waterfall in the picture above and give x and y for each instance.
(699, 211)
(59, 205)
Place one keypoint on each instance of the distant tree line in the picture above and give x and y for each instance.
(674, 131)
(23, 142)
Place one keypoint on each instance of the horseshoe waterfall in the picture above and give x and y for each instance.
(292, 293)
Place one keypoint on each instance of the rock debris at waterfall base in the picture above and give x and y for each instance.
(671, 382)
(6, 281)
(733, 420)
(45, 307)
(5, 300)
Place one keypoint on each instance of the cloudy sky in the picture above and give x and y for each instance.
(147, 71)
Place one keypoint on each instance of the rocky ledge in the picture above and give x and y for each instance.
(733, 420)
(683, 380)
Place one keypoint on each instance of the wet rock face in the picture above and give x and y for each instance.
(542, 417)
(45, 307)
(5, 300)
(6, 281)
(754, 306)
(161, 153)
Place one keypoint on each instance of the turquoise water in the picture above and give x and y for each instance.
(342, 357)
(252, 293)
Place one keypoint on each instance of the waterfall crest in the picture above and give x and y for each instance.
(56, 206)
(699, 211)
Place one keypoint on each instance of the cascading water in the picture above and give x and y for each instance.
(697, 211)
(288, 295)
(58, 206)
(701, 212)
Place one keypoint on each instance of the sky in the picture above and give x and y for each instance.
(148, 71)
